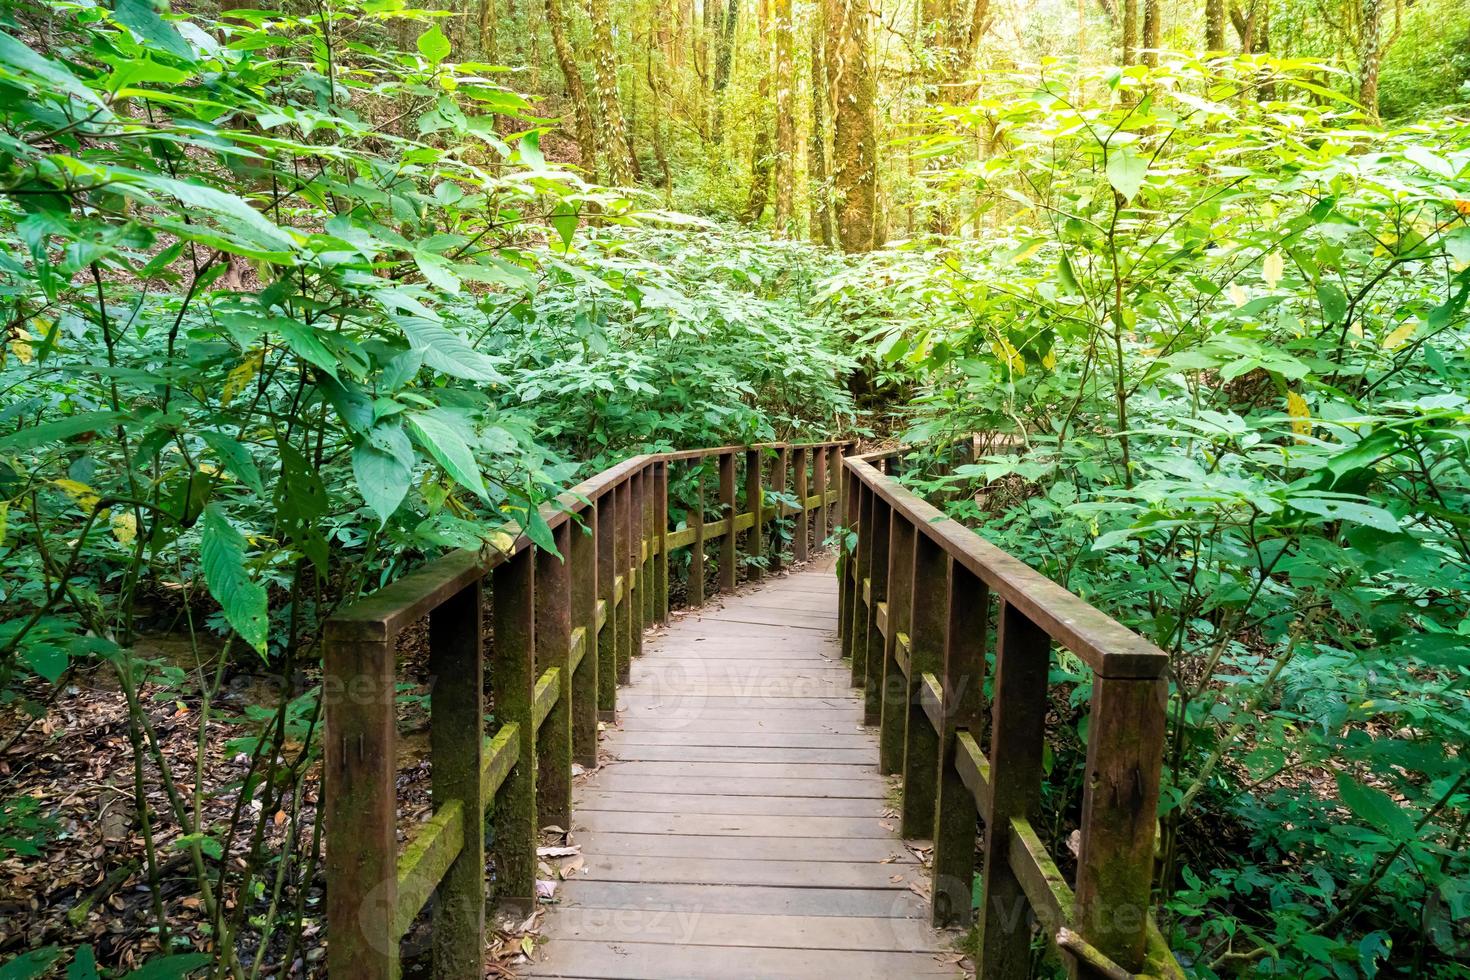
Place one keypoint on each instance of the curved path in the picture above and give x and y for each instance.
(738, 826)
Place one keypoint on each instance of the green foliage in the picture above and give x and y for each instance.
(1227, 338)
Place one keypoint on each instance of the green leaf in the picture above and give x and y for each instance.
(221, 204)
(305, 344)
(28, 966)
(1375, 808)
(447, 352)
(47, 660)
(540, 532)
(1333, 300)
(139, 17)
(72, 425)
(442, 435)
(564, 219)
(222, 556)
(170, 967)
(18, 59)
(382, 479)
(1335, 509)
(1126, 169)
(83, 966)
(236, 459)
(433, 45)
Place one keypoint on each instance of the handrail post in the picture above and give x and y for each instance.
(727, 504)
(891, 730)
(854, 619)
(799, 532)
(778, 490)
(582, 557)
(625, 498)
(553, 650)
(875, 564)
(696, 552)
(928, 622)
(964, 686)
(844, 571)
(361, 825)
(637, 554)
(1017, 732)
(606, 639)
(821, 518)
(754, 499)
(1120, 798)
(513, 594)
(456, 745)
(661, 535)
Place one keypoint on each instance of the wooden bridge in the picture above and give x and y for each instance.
(740, 823)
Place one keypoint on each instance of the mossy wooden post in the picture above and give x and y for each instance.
(625, 500)
(728, 564)
(584, 686)
(755, 549)
(802, 518)
(855, 637)
(651, 540)
(1125, 749)
(553, 652)
(696, 550)
(1017, 731)
(513, 595)
(876, 520)
(361, 825)
(822, 519)
(637, 557)
(777, 511)
(953, 867)
(456, 744)
(661, 534)
(894, 723)
(928, 621)
(606, 647)
(844, 574)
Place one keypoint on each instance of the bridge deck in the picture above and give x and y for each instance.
(739, 826)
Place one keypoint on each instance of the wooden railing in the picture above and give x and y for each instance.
(915, 614)
(562, 634)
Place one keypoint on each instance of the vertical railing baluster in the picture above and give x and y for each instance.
(553, 652)
(855, 640)
(754, 499)
(606, 640)
(1120, 798)
(778, 490)
(928, 623)
(648, 587)
(513, 596)
(821, 518)
(625, 565)
(968, 608)
(728, 566)
(583, 560)
(803, 517)
(876, 519)
(661, 538)
(359, 779)
(1017, 732)
(456, 747)
(638, 560)
(893, 725)
(844, 574)
(696, 550)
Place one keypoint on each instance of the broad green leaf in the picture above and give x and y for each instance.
(540, 532)
(66, 428)
(1351, 511)
(222, 556)
(18, 59)
(306, 344)
(447, 352)
(236, 459)
(170, 967)
(45, 659)
(28, 966)
(382, 479)
(155, 32)
(1126, 169)
(1375, 808)
(442, 435)
(564, 219)
(433, 45)
(83, 966)
(1333, 300)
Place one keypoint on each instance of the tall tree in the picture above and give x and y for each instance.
(576, 89)
(1130, 31)
(1215, 26)
(853, 90)
(785, 114)
(819, 195)
(724, 60)
(761, 162)
(605, 68)
(1151, 32)
(1370, 55)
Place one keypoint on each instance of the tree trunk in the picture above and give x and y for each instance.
(605, 66)
(723, 60)
(785, 116)
(854, 142)
(1215, 26)
(1151, 32)
(576, 90)
(1130, 31)
(819, 195)
(1370, 56)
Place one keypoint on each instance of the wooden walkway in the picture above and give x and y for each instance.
(738, 826)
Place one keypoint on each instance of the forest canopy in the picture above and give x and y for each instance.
(298, 296)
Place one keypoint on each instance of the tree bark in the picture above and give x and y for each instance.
(605, 67)
(1215, 26)
(761, 161)
(1151, 32)
(576, 90)
(1370, 56)
(724, 59)
(1130, 31)
(819, 195)
(854, 142)
(785, 116)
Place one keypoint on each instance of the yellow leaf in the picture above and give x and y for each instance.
(241, 375)
(125, 527)
(1050, 360)
(84, 495)
(501, 541)
(528, 945)
(4, 519)
(1272, 268)
(1301, 416)
(1236, 294)
(20, 345)
(1400, 336)
(1006, 353)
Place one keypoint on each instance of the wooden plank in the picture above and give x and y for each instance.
(430, 852)
(739, 871)
(733, 824)
(784, 723)
(593, 800)
(821, 772)
(674, 700)
(727, 929)
(767, 900)
(661, 961)
(752, 739)
(794, 620)
(877, 851)
(870, 789)
(624, 751)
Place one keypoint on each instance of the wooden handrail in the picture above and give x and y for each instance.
(566, 630)
(915, 619)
